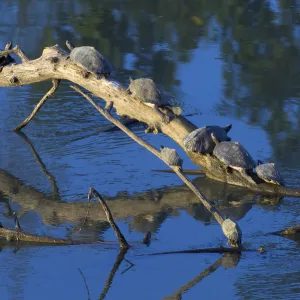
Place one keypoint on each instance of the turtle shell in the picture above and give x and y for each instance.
(268, 172)
(234, 154)
(146, 90)
(171, 157)
(200, 139)
(91, 60)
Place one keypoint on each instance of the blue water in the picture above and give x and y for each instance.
(237, 64)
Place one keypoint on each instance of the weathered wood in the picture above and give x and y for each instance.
(53, 64)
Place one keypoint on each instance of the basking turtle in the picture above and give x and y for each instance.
(200, 140)
(90, 60)
(147, 91)
(6, 59)
(269, 173)
(171, 157)
(233, 233)
(235, 156)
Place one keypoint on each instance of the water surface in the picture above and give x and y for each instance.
(233, 62)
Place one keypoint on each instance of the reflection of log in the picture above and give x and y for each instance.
(54, 65)
(139, 204)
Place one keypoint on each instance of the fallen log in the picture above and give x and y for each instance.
(54, 65)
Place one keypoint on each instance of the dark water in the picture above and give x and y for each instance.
(233, 62)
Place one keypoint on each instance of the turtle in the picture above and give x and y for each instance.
(5, 60)
(235, 156)
(90, 60)
(147, 91)
(233, 233)
(269, 173)
(200, 139)
(171, 157)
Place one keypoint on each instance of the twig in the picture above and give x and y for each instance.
(85, 283)
(202, 198)
(15, 50)
(55, 190)
(113, 272)
(203, 250)
(86, 215)
(110, 219)
(55, 84)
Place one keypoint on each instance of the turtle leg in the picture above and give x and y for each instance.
(246, 176)
(165, 118)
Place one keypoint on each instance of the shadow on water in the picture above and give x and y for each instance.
(231, 62)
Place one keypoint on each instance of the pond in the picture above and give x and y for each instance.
(225, 62)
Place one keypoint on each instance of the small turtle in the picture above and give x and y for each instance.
(200, 140)
(269, 173)
(171, 157)
(146, 90)
(90, 60)
(233, 233)
(235, 156)
(5, 60)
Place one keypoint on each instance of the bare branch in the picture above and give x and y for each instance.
(15, 50)
(110, 219)
(55, 84)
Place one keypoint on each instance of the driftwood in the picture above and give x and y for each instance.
(54, 65)
(209, 206)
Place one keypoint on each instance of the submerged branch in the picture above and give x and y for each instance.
(54, 65)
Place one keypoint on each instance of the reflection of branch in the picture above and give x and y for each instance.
(113, 272)
(288, 231)
(51, 178)
(85, 283)
(178, 294)
(227, 261)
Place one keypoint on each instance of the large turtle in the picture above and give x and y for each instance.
(235, 156)
(269, 173)
(233, 233)
(200, 139)
(90, 60)
(147, 91)
(5, 60)
(171, 157)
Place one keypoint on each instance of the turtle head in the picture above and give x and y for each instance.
(70, 45)
(227, 128)
(259, 162)
(214, 138)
